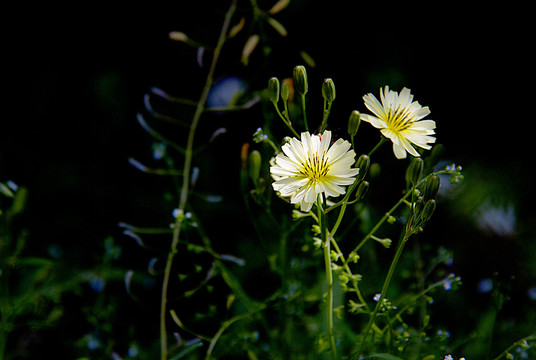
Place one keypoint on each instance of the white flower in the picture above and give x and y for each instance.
(399, 119)
(310, 167)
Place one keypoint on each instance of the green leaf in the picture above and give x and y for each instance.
(188, 349)
(384, 356)
(237, 289)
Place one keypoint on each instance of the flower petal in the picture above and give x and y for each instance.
(399, 151)
(374, 105)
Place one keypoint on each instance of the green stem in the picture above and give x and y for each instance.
(526, 339)
(286, 120)
(380, 143)
(186, 177)
(327, 111)
(347, 269)
(329, 276)
(380, 223)
(386, 284)
(408, 232)
(304, 114)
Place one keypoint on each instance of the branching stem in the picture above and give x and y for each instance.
(186, 177)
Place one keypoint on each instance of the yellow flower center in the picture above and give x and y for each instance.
(315, 168)
(399, 119)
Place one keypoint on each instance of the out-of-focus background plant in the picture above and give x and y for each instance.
(74, 285)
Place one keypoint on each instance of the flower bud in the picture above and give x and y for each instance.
(328, 90)
(296, 214)
(363, 164)
(431, 187)
(414, 172)
(273, 90)
(353, 257)
(362, 190)
(428, 210)
(285, 92)
(254, 162)
(418, 206)
(300, 80)
(353, 122)
(386, 242)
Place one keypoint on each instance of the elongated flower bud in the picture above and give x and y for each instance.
(363, 164)
(431, 187)
(273, 90)
(285, 92)
(300, 80)
(328, 90)
(414, 172)
(362, 190)
(353, 122)
(254, 163)
(428, 210)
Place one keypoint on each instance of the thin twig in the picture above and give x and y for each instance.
(186, 177)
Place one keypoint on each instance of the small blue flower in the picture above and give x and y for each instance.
(97, 283)
(485, 286)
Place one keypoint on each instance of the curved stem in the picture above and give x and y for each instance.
(380, 143)
(523, 341)
(186, 177)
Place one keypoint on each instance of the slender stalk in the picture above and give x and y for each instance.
(286, 120)
(380, 223)
(347, 269)
(304, 114)
(329, 276)
(524, 341)
(329, 300)
(386, 284)
(186, 177)
(327, 110)
(409, 230)
(380, 143)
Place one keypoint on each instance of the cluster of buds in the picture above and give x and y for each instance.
(455, 173)
(300, 85)
(385, 303)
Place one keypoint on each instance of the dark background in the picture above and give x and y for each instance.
(76, 78)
